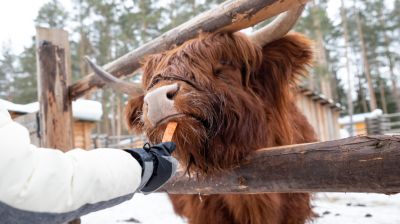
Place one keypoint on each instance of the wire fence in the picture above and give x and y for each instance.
(119, 142)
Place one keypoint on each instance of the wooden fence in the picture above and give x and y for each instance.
(118, 142)
(356, 164)
(383, 124)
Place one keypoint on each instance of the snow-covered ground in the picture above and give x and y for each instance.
(333, 208)
(147, 209)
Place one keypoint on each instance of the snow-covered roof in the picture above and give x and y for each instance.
(87, 110)
(360, 117)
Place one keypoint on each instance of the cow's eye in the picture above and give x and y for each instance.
(156, 79)
(218, 72)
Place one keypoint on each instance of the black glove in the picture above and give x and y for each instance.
(158, 166)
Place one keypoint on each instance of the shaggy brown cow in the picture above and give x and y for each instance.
(230, 94)
(229, 97)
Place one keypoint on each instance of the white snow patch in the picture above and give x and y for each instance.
(21, 108)
(82, 109)
(357, 208)
(87, 110)
(356, 118)
(147, 209)
(333, 208)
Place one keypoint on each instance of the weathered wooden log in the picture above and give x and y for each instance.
(53, 79)
(230, 16)
(356, 164)
(54, 74)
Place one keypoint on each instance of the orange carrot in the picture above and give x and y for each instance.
(169, 131)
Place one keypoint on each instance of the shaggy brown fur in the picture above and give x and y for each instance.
(236, 98)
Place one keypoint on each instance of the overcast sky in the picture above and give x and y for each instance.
(16, 21)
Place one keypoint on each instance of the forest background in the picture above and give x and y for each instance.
(357, 48)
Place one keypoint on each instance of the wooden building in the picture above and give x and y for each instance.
(85, 113)
(322, 113)
(358, 123)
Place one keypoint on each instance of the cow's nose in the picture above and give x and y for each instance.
(160, 103)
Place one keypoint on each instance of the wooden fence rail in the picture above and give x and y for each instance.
(384, 124)
(357, 164)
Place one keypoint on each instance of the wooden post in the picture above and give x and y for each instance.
(54, 72)
(357, 164)
(53, 69)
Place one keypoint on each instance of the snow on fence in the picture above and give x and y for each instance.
(360, 164)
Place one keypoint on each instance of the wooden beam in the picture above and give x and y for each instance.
(230, 16)
(55, 107)
(357, 164)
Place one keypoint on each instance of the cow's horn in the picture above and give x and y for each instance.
(278, 27)
(113, 82)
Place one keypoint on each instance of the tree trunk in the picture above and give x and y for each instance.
(389, 57)
(383, 95)
(367, 69)
(111, 100)
(349, 81)
(119, 117)
(83, 49)
(106, 119)
(381, 89)
(362, 95)
(325, 81)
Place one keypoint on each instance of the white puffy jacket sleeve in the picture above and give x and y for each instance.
(39, 185)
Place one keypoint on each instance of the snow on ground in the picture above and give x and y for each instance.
(147, 209)
(333, 208)
(354, 208)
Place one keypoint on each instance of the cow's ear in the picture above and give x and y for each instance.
(134, 114)
(285, 61)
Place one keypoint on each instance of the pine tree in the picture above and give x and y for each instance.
(350, 107)
(83, 46)
(7, 73)
(53, 15)
(384, 30)
(366, 63)
(316, 24)
(26, 80)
